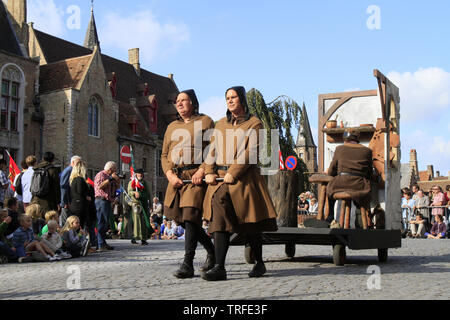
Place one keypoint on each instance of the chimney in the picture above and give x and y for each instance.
(133, 59)
(18, 14)
(430, 171)
(171, 76)
(413, 161)
(438, 174)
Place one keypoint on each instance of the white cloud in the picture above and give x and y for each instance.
(424, 93)
(215, 107)
(142, 30)
(47, 17)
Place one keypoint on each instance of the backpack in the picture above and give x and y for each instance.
(18, 184)
(40, 182)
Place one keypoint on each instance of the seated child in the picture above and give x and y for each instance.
(74, 238)
(155, 228)
(49, 216)
(168, 232)
(7, 254)
(34, 212)
(314, 206)
(11, 207)
(53, 240)
(24, 241)
(438, 230)
(417, 226)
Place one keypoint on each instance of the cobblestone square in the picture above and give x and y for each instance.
(414, 271)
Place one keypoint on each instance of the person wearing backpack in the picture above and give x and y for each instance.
(26, 181)
(47, 192)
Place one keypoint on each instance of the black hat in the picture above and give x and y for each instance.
(194, 100)
(242, 98)
(141, 171)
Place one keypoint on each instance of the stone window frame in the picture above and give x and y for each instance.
(13, 77)
(91, 129)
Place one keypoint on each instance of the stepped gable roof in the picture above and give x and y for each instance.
(8, 39)
(63, 74)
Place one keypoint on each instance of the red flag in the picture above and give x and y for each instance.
(88, 180)
(13, 171)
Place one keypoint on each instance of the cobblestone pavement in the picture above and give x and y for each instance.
(415, 271)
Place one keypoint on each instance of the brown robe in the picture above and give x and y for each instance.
(351, 158)
(249, 194)
(189, 195)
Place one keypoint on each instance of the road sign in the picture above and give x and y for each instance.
(291, 163)
(125, 154)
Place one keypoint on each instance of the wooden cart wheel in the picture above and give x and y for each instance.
(249, 258)
(382, 255)
(290, 250)
(339, 254)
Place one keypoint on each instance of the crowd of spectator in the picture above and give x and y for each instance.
(65, 214)
(425, 213)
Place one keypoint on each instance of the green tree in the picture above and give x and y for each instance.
(281, 114)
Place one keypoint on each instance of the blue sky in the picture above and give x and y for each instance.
(297, 48)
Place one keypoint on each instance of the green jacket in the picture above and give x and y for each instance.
(144, 195)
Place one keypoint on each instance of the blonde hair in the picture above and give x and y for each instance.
(69, 222)
(79, 170)
(23, 218)
(51, 215)
(33, 211)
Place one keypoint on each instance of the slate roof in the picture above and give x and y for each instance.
(8, 38)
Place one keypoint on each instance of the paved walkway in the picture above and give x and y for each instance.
(415, 271)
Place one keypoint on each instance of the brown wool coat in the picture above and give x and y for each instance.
(249, 193)
(351, 158)
(190, 195)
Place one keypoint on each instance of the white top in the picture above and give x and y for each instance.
(26, 184)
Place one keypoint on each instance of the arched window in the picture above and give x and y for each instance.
(9, 103)
(94, 117)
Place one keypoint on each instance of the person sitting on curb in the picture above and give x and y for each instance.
(417, 226)
(438, 230)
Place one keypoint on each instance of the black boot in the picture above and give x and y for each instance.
(186, 269)
(217, 273)
(208, 245)
(210, 262)
(133, 241)
(144, 243)
(259, 269)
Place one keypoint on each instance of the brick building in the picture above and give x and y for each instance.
(93, 104)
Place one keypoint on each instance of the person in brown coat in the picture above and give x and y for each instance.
(352, 170)
(241, 203)
(181, 159)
